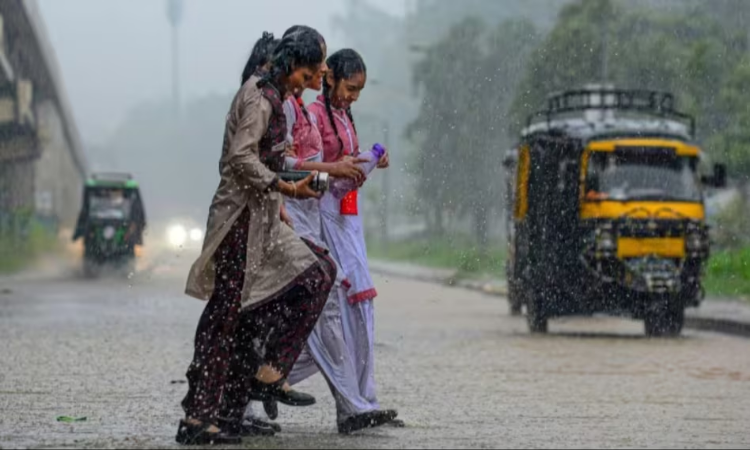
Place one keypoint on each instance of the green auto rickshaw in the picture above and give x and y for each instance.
(111, 223)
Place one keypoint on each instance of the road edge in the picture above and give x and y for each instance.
(695, 322)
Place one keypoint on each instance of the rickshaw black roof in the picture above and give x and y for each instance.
(595, 111)
(585, 130)
(112, 180)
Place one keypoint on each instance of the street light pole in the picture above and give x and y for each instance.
(605, 44)
(175, 9)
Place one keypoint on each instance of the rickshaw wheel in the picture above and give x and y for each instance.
(535, 316)
(515, 301)
(667, 323)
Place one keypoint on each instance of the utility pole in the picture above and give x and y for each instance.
(175, 10)
(604, 23)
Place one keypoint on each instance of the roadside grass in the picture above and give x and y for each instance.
(728, 273)
(16, 253)
(450, 252)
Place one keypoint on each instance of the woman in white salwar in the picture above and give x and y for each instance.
(343, 232)
(327, 350)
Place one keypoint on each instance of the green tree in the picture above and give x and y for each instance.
(445, 78)
(682, 50)
(468, 80)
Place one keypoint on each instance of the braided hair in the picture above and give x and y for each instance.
(260, 56)
(300, 49)
(301, 103)
(343, 65)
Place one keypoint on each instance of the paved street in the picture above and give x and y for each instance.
(459, 369)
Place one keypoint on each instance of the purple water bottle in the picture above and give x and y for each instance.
(339, 187)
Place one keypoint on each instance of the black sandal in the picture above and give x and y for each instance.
(397, 423)
(190, 434)
(246, 427)
(267, 392)
(271, 407)
(372, 419)
(262, 425)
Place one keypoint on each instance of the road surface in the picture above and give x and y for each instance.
(460, 370)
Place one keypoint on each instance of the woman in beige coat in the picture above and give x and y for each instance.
(265, 286)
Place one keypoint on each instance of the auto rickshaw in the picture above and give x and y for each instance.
(111, 223)
(606, 210)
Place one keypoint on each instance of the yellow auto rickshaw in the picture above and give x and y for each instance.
(606, 210)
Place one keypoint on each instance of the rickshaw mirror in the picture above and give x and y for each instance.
(720, 176)
(718, 179)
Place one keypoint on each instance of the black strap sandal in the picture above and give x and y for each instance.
(271, 407)
(397, 423)
(245, 427)
(264, 392)
(190, 434)
(372, 419)
(262, 425)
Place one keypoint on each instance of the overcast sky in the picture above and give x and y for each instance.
(115, 54)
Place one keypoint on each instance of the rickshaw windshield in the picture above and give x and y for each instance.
(109, 204)
(646, 175)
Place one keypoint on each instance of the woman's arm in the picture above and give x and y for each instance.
(255, 114)
(243, 158)
(341, 169)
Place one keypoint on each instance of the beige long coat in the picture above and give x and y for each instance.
(275, 255)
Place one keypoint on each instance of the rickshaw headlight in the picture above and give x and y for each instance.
(695, 239)
(605, 238)
(694, 242)
(606, 241)
(109, 233)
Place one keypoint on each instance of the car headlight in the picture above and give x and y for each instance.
(177, 235)
(196, 234)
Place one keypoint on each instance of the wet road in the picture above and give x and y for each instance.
(459, 369)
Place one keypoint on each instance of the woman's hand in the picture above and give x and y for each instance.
(348, 168)
(285, 217)
(291, 150)
(300, 189)
(385, 161)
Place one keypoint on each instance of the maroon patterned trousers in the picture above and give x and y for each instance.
(230, 344)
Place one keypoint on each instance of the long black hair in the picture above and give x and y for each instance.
(299, 49)
(343, 65)
(260, 56)
(298, 28)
